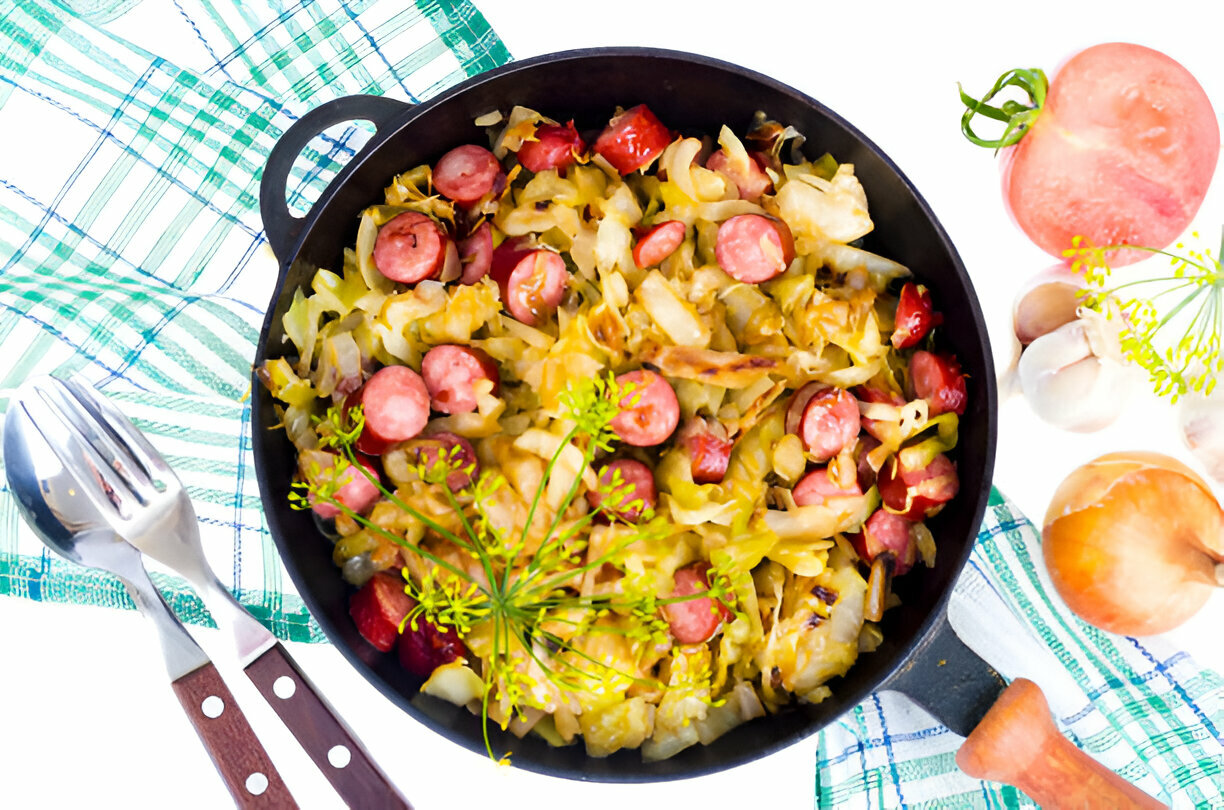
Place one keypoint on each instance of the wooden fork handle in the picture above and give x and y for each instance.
(249, 774)
(323, 735)
(1017, 743)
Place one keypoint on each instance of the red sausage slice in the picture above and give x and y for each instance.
(396, 404)
(649, 413)
(694, 621)
(798, 404)
(753, 248)
(356, 491)
(476, 254)
(409, 248)
(458, 451)
(466, 173)
(938, 379)
(915, 316)
(450, 372)
(709, 448)
(632, 139)
(915, 494)
(641, 480)
(830, 421)
(816, 487)
(882, 532)
(428, 647)
(532, 282)
(378, 607)
(752, 183)
(866, 473)
(555, 147)
(658, 243)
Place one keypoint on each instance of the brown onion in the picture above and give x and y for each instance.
(1132, 541)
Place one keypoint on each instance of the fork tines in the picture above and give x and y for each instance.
(85, 428)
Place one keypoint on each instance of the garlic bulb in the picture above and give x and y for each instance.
(1047, 301)
(1201, 421)
(1074, 377)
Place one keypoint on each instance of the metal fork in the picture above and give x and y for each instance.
(153, 511)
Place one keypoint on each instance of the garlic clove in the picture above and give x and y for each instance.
(1201, 422)
(1068, 383)
(1046, 301)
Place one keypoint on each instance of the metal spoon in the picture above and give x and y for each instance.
(149, 506)
(58, 488)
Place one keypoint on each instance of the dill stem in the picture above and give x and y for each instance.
(1180, 306)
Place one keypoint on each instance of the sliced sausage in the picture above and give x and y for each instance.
(882, 532)
(555, 147)
(938, 379)
(658, 243)
(816, 487)
(632, 139)
(649, 413)
(396, 404)
(456, 450)
(532, 281)
(798, 404)
(752, 248)
(476, 254)
(355, 491)
(915, 316)
(830, 421)
(409, 248)
(751, 180)
(915, 494)
(466, 173)
(640, 480)
(709, 449)
(426, 647)
(450, 373)
(694, 621)
(379, 607)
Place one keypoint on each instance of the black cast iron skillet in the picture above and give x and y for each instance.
(920, 655)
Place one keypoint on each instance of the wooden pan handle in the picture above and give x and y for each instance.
(334, 749)
(1017, 743)
(240, 758)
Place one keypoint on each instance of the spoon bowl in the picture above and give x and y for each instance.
(62, 492)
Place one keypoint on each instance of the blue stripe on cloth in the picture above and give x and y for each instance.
(374, 47)
(203, 41)
(1162, 670)
(888, 748)
(127, 149)
(58, 335)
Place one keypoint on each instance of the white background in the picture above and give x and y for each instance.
(87, 715)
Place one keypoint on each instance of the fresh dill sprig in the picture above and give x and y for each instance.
(1175, 366)
(517, 606)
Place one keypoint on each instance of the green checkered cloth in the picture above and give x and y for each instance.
(132, 255)
(1142, 708)
(132, 252)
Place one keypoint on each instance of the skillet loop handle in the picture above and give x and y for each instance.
(282, 227)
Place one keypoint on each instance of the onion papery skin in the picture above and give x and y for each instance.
(1131, 541)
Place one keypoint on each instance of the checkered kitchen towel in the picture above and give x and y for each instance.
(132, 140)
(1142, 708)
(132, 137)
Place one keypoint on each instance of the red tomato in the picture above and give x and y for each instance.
(1122, 152)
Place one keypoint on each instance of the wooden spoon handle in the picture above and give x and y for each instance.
(239, 756)
(1017, 743)
(323, 735)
